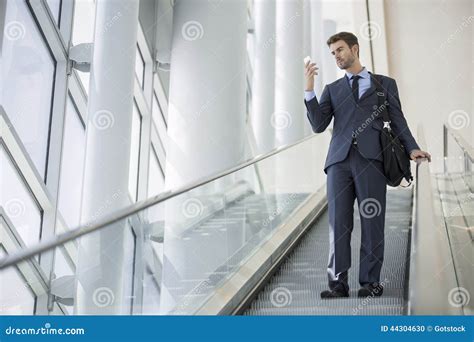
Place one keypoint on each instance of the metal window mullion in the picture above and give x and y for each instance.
(161, 97)
(49, 29)
(78, 95)
(30, 270)
(23, 163)
(53, 174)
(158, 147)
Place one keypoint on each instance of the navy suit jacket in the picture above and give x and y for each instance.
(363, 119)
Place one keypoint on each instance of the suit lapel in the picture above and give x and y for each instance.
(346, 88)
(369, 91)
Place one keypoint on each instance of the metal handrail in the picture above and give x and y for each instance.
(120, 214)
(467, 149)
(430, 251)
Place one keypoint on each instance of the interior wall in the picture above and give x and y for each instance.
(430, 54)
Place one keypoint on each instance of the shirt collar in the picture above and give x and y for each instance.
(364, 73)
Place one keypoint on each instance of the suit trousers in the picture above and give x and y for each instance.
(364, 179)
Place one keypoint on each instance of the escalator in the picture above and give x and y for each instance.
(253, 240)
(295, 287)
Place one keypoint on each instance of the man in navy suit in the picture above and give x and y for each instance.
(354, 164)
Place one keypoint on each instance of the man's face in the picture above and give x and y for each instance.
(344, 56)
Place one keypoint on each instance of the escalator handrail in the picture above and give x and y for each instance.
(120, 214)
(459, 139)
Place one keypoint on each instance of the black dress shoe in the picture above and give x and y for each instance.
(373, 290)
(327, 294)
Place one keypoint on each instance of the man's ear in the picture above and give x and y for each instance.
(356, 50)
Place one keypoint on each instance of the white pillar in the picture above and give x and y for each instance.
(206, 128)
(290, 114)
(318, 43)
(100, 268)
(263, 83)
(307, 48)
(328, 64)
(289, 82)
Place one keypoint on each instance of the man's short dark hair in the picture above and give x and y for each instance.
(348, 37)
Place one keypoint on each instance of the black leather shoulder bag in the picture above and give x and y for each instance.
(396, 160)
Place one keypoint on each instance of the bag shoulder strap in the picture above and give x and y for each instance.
(381, 96)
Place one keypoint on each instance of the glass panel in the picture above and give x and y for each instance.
(72, 165)
(55, 8)
(159, 121)
(134, 153)
(27, 74)
(191, 244)
(139, 67)
(18, 203)
(156, 182)
(83, 30)
(15, 297)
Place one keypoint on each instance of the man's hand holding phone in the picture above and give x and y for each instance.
(310, 72)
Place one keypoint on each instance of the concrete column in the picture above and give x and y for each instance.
(289, 83)
(206, 129)
(101, 273)
(263, 83)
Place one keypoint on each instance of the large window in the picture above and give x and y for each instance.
(18, 202)
(72, 163)
(27, 73)
(15, 297)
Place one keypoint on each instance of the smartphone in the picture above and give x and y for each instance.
(306, 59)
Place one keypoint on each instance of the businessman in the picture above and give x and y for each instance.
(354, 164)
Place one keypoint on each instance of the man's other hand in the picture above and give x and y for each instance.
(420, 154)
